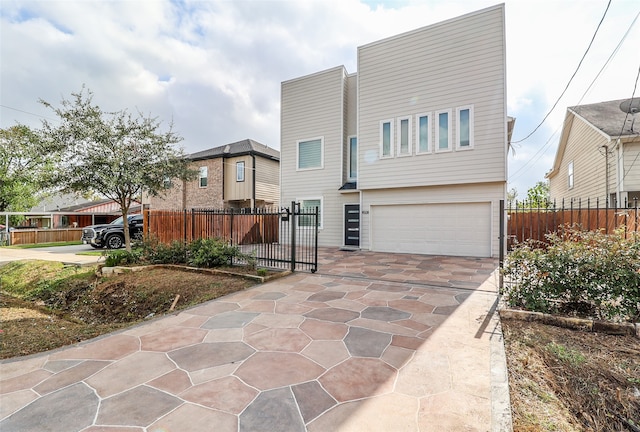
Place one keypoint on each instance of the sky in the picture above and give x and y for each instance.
(213, 69)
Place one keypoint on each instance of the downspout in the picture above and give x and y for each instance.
(253, 181)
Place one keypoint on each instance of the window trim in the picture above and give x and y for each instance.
(240, 178)
(437, 127)
(205, 170)
(319, 138)
(391, 140)
(459, 146)
(399, 137)
(321, 199)
(571, 180)
(349, 155)
(429, 117)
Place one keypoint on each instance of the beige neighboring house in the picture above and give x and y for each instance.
(598, 156)
(243, 174)
(409, 154)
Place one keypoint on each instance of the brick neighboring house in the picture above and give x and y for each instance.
(243, 174)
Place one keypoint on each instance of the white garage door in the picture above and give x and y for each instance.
(459, 229)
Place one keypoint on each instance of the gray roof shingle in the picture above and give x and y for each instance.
(235, 149)
(609, 118)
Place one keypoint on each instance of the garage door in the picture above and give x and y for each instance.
(459, 229)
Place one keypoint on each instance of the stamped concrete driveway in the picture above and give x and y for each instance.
(372, 342)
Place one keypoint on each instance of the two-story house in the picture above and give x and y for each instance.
(598, 155)
(408, 154)
(243, 174)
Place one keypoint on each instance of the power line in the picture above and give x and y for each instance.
(633, 94)
(571, 79)
(27, 112)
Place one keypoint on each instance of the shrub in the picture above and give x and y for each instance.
(212, 253)
(584, 273)
(122, 257)
(155, 252)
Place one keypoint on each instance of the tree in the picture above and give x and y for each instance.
(26, 163)
(113, 154)
(538, 195)
(512, 194)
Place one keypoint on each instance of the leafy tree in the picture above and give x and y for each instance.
(26, 163)
(512, 194)
(538, 195)
(113, 154)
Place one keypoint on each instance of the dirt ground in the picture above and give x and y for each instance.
(567, 380)
(88, 308)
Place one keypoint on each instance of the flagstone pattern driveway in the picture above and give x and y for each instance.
(372, 342)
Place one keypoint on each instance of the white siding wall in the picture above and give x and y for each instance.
(472, 193)
(447, 65)
(313, 106)
(267, 180)
(631, 174)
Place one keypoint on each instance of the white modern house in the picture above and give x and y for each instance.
(409, 154)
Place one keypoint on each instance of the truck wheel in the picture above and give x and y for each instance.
(114, 241)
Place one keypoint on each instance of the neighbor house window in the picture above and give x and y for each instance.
(203, 176)
(240, 171)
(443, 130)
(308, 206)
(404, 136)
(464, 127)
(166, 183)
(386, 138)
(570, 174)
(353, 158)
(423, 133)
(310, 154)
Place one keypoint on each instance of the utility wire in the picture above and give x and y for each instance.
(571, 79)
(27, 112)
(624, 174)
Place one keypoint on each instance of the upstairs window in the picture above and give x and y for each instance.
(423, 133)
(386, 138)
(404, 136)
(570, 175)
(443, 131)
(203, 177)
(464, 127)
(240, 171)
(353, 158)
(310, 154)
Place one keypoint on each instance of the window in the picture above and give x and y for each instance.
(308, 206)
(353, 158)
(203, 177)
(423, 133)
(570, 174)
(404, 136)
(240, 171)
(443, 131)
(464, 127)
(166, 183)
(386, 137)
(310, 154)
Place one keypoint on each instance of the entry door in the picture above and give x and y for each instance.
(352, 225)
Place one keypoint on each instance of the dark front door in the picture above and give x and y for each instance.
(352, 225)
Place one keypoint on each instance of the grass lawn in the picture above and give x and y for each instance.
(39, 245)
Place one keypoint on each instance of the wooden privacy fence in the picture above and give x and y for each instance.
(532, 222)
(238, 227)
(32, 236)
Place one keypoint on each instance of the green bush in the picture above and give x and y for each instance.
(122, 257)
(581, 273)
(212, 253)
(155, 252)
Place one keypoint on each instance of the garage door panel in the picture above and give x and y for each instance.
(459, 229)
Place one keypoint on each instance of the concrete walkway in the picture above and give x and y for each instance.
(372, 342)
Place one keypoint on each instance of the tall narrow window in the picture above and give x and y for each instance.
(308, 207)
(203, 176)
(464, 127)
(240, 171)
(443, 131)
(570, 175)
(386, 137)
(310, 154)
(353, 158)
(404, 136)
(423, 134)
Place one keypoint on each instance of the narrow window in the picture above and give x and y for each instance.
(203, 176)
(464, 128)
(570, 174)
(240, 171)
(308, 207)
(423, 133)
(443, 131)
(386, 134)
(166, 183)
(353, 158)
(310, 154)
(404, 136)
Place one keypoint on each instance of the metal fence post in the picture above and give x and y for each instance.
(294, 228)
(501, 241)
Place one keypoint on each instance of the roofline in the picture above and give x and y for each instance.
(333, 69)
(231, 155)
(600, 131)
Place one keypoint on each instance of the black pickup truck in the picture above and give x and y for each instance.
(112, 235)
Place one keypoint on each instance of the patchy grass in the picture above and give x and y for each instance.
(566, 380)
(54, 307)
(40, 245)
